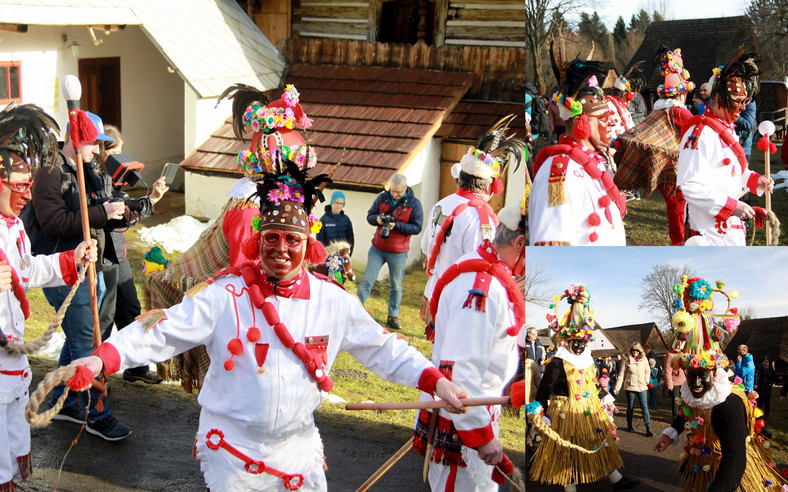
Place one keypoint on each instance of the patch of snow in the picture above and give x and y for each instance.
(782, 175)
(52, 349)
(179, 234)
(333, 398)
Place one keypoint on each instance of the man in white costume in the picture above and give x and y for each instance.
(27, 141)
(712, 168)
(573, 200)
(478, 315)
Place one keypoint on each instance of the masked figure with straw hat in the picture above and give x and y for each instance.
(725, 449)
(712, 167)
(272, 331)
(619, 98)
(573, 199)
(28, 140)
(579, 445)
(647, 154)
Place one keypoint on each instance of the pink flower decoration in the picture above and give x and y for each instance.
(593, 82)
(737, 380)
(700, 420)
(731, 324)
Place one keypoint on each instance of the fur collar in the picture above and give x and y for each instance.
(581, 361)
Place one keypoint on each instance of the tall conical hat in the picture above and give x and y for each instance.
(578, 322)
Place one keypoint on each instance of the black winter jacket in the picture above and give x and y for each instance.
(336, 227)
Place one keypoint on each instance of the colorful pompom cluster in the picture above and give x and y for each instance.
(314, 224)
(286, 189)
(269, 119)
(569, 103)
(674, 63)
(579, 321)
(704, 360)
(487, 159)
(687, 87)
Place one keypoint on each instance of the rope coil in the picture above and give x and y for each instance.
(536, 421)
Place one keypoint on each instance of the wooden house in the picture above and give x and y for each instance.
(763, 336)
(622, 338)
(705, 44)
(398, 86)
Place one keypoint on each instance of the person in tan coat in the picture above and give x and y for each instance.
(674, 378)
(634, 378)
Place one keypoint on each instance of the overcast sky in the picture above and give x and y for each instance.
(609, 10)
(613, 276)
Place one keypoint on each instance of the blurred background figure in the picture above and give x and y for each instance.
(336, 225)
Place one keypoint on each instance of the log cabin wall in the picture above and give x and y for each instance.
(499, 72)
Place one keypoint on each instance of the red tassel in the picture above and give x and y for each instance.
(766, 145)
(315, 252)
(251, 246)
(497, 186)
(582, 128)
(82, 380)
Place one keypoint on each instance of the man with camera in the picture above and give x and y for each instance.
(54, 224)
(398, 216)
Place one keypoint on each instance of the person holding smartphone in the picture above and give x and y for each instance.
(121, 306)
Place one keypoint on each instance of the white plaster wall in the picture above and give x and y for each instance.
(515, 184)
(152, 103)
(206, 195)
(202, 117)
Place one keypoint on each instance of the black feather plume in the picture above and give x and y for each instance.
(28, 131)
(577, 73)
(243, 96)
(742, 65)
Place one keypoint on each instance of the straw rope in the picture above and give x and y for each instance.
(59, 376)
(37, 344)
(774, 222)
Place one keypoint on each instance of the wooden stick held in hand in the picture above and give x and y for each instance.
(418, 405)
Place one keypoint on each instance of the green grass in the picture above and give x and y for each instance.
(650, 226)
(351, 380)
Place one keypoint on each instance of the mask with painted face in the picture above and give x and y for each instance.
(699, 381)
(577, 346)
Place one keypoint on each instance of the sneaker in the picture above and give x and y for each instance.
(626, 483)
(393, 323)
(149, 377)
(109, 429)
(72, 413)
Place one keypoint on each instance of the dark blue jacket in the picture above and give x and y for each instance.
(745, 127)
(336, 227)
(409, 217)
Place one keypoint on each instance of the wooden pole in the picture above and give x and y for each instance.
(767, 166)
(418, 405)
(72, 91)
(388, 464)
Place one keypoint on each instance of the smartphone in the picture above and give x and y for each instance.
(169, 172)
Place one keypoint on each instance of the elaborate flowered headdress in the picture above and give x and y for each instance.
(740, 77)
(696, 332)
(274, 129)
(492, 152)
(676, 76)
(26, 130)
(578, 322)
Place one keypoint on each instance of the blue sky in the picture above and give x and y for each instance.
(614, 274)
(609, 10)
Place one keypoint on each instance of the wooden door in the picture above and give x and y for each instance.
(100, 78)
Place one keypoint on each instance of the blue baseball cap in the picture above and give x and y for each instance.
(96, 120)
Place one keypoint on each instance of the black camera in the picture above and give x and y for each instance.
(387, 221)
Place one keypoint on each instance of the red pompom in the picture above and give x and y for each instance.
(229, 365)
(513, 331)
(253, 334)
(727, 161)
(235, 346)
(82, 380)
(604, 202)
(251, 246)
(593, 237)
(582, 128)
(497, 186)
(594, 219)
(767, 145)
(630, 96)
(315, 252)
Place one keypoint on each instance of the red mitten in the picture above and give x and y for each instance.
(506, 466)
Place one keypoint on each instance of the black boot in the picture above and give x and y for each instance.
(648, 431)
(626, 483)
(629, 426)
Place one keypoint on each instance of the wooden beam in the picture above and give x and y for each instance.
(15, 28)
(441, 16)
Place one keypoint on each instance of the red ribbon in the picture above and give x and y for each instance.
(766, 145)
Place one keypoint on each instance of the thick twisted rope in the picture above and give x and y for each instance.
(37, 344)
(775, 228)
(59, 376)
(544, 429)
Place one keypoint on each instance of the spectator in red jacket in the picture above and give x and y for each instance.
(398, 215)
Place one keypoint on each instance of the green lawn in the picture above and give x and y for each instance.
(650, 225)
(352, 381)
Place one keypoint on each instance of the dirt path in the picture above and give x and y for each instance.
(157, 456)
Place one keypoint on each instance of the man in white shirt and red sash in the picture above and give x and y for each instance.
(478, 311)
(573, 200)
(272, 332)
(712, 168)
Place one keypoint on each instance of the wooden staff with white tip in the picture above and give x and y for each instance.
(766, 128)
(72, 91)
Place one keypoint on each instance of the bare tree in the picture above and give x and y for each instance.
(657, 293)
(537, 283)
(770, 21)
(747, 312)
(538, 21)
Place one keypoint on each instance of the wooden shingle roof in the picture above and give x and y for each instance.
(764, 336)
(705, 44)
(471, 119)
(375, 119)
(624, 336)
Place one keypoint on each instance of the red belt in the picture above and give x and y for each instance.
(20, 372)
